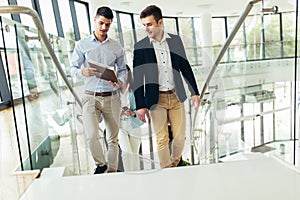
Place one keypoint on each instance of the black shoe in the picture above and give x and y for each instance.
(183, 163)
(101, 169)
(180, 164)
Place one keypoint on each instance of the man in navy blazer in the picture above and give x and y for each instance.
(159, 67)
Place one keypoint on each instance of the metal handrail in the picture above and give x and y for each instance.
(221, 54)
(227, 43)
(14, 9)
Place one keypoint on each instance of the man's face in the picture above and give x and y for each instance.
(153, 28)
(102, 25)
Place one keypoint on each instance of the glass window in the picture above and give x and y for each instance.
(218, 31)
(82, 19)
(66, 19)
(5, 3)
(48, 16)
(113, 30)
(288, 33)
(218, 35)
(26, 19)
(125, 20)
(170, 25)
(253, 37)
(197, 27)
(237, 46)
(272, 36)
(186, 34)
(139, 28)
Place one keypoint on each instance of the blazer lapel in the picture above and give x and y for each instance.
(150, 55)
(172, 48)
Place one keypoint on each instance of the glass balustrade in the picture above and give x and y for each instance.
(47, 118)
(251, 104)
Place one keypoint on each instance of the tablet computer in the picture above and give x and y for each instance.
(106, 73)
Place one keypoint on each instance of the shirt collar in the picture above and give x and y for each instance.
(93, 38)
(164, 38)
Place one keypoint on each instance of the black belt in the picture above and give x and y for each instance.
(101, 94)
(167, 92)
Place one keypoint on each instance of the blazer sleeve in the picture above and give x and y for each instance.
(138, 77)
(186, 69)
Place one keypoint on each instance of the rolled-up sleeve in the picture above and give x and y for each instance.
(121, 67)
(76, 62)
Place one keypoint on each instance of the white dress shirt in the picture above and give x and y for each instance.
(163, 57)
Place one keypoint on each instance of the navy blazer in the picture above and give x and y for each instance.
(145, 72)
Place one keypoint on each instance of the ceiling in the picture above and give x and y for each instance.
(188, 8)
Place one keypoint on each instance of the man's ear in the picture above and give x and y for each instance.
(160, 21)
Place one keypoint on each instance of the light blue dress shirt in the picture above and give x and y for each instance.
(108, 52)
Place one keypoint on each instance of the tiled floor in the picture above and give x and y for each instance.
(10, 188)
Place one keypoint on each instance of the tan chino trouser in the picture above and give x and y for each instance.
(169, 111)
(109, 107)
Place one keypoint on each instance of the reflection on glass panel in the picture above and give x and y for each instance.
(12, 58)
(169, 25)
(31, 65)
(27, 54)
(186, 34)
(66, 19)
(48, 16)
(82, 19)
(48, 111)
(272, 36)
(63, 49)
(139, 28)
(125, 20)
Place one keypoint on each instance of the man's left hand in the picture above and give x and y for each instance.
(116, 85)
(195, 101)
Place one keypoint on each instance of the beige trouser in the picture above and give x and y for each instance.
(130, 142)
(109, 107)
(169, 110)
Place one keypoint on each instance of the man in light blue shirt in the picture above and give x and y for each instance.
(100, 96)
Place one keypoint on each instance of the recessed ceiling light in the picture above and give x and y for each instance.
(205, 5)
(125, 3)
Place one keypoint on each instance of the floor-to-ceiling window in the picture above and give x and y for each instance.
(127, 35)
(83, 18)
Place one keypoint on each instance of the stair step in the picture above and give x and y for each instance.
(53, 172)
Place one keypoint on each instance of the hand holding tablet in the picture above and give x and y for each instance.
(104, 72)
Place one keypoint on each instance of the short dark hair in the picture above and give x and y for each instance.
(151, 10)
(105, 12)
